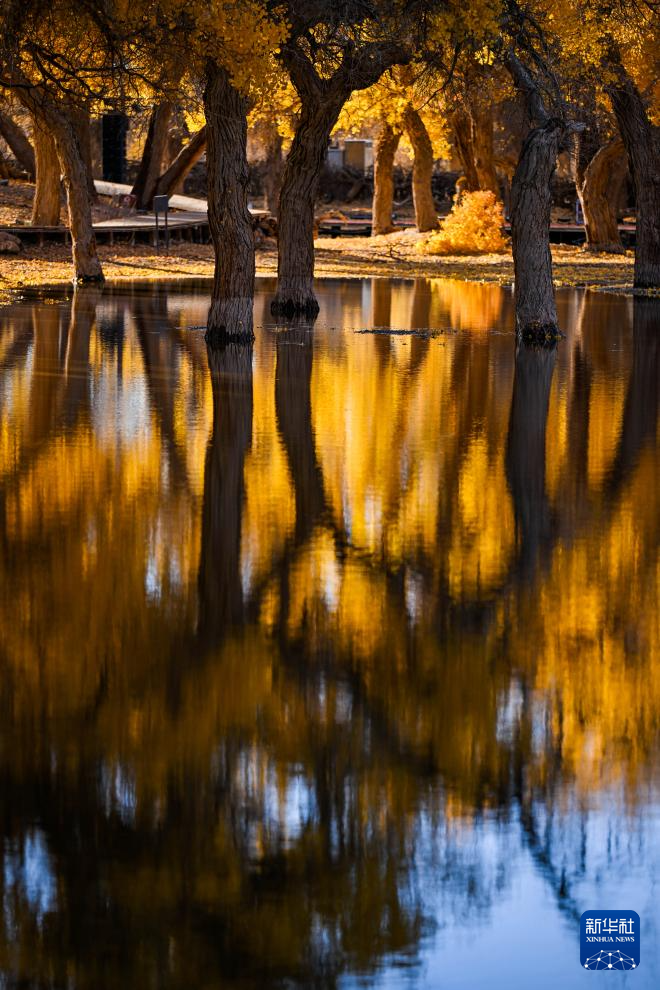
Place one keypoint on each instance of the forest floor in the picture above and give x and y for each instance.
(393, 255)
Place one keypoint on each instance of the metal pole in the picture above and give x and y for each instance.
(157, 237)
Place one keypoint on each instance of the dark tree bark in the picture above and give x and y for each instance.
(153, 153)
(386, 144)
(592, 186)
(19, 144)
(426, 215)
(230, 316)
(221, 605)
(531, 201)
(642, 142)
(321, 101)
(180, 166)
(461, 124)
(46, 202)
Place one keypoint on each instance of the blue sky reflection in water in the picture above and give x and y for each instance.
(333, 662)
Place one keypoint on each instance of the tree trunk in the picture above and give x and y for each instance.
(274, 170)
(46, 202)
(230, 316)
(153, 153)
(462, 129)
(426, 215)
(295, 268)
(386, 145)
(19, 144)
(484, 154)
(179, 168)
(531, 200)
(599, 219)
(642, 142)
(81, 124)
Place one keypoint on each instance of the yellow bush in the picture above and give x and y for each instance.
(474, 226)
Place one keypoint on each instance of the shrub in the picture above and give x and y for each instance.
(474, 226)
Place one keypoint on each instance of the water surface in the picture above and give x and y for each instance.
(333, 662)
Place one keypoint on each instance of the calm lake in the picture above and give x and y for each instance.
(334, 662)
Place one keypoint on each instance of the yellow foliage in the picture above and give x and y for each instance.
(474, 226)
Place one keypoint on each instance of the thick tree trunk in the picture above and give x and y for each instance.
(274, 170)
(82, 126)
(386, 144)
(153, 153)
(19, 144)
(46, 202)
(642, 142)
(230, 316)
(462, 130)
(484, 154)
(295, 269)
(86, 263)
(426, 215)
(592, 187)
(179, 168)
(531, 200)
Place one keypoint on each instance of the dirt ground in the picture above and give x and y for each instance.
(394, 255)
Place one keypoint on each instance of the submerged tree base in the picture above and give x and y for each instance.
(97, 279)
(230, 321)
(540, 334)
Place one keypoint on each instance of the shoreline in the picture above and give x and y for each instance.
(389, 256)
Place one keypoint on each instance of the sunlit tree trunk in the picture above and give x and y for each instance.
(86, 262)
(153, 154)
(462, 132)
(426, 215)
(386, 144)
(592, 186)
(642, 142)
(46, 202)
(18, 143)
(484, 154)
(181, 165)
(82, 126)
(230, 316)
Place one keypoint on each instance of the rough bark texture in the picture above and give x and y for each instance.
(153, 153)
(19, 144)
(230, 316)
(462, 131)
(531, 201)
(386, 144)
(295, 269)
(46, 202)
(642, 142)
(180, 166)
(600, 221)
(321, 101)
(426, 215)
(80, 120)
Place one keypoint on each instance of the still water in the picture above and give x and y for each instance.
(334, 662)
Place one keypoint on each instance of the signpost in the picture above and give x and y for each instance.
(162, 205)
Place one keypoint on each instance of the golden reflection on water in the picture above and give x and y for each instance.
(264, 611)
